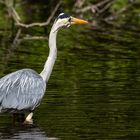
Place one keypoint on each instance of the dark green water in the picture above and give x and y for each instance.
(93, 92)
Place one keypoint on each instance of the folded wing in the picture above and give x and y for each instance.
(21, 90)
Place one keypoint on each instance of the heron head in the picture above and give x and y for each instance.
(65, 20)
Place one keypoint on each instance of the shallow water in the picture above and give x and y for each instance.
(93, 92)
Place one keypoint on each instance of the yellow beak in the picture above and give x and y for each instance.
(78, 21)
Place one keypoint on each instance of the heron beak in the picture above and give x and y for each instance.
(78, 21)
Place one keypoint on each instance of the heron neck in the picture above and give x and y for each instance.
(45, 74)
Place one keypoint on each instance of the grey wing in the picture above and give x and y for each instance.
(21, 90)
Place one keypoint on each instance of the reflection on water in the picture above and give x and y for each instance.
(23, 133)
(94, 90)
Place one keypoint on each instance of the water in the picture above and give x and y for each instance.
(93, 92)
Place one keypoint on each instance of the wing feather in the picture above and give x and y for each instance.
(21, 90)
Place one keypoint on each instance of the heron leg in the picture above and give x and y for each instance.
(29, 119)
(18, 117)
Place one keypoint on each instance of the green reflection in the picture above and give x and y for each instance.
(93, 92)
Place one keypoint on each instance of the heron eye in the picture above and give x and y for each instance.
(69, 19)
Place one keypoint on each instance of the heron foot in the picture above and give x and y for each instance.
(29, 119)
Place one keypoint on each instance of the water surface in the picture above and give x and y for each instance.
(93, 92)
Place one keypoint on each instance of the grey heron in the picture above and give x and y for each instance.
(22, 91)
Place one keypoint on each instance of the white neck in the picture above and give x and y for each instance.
(45, 74)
